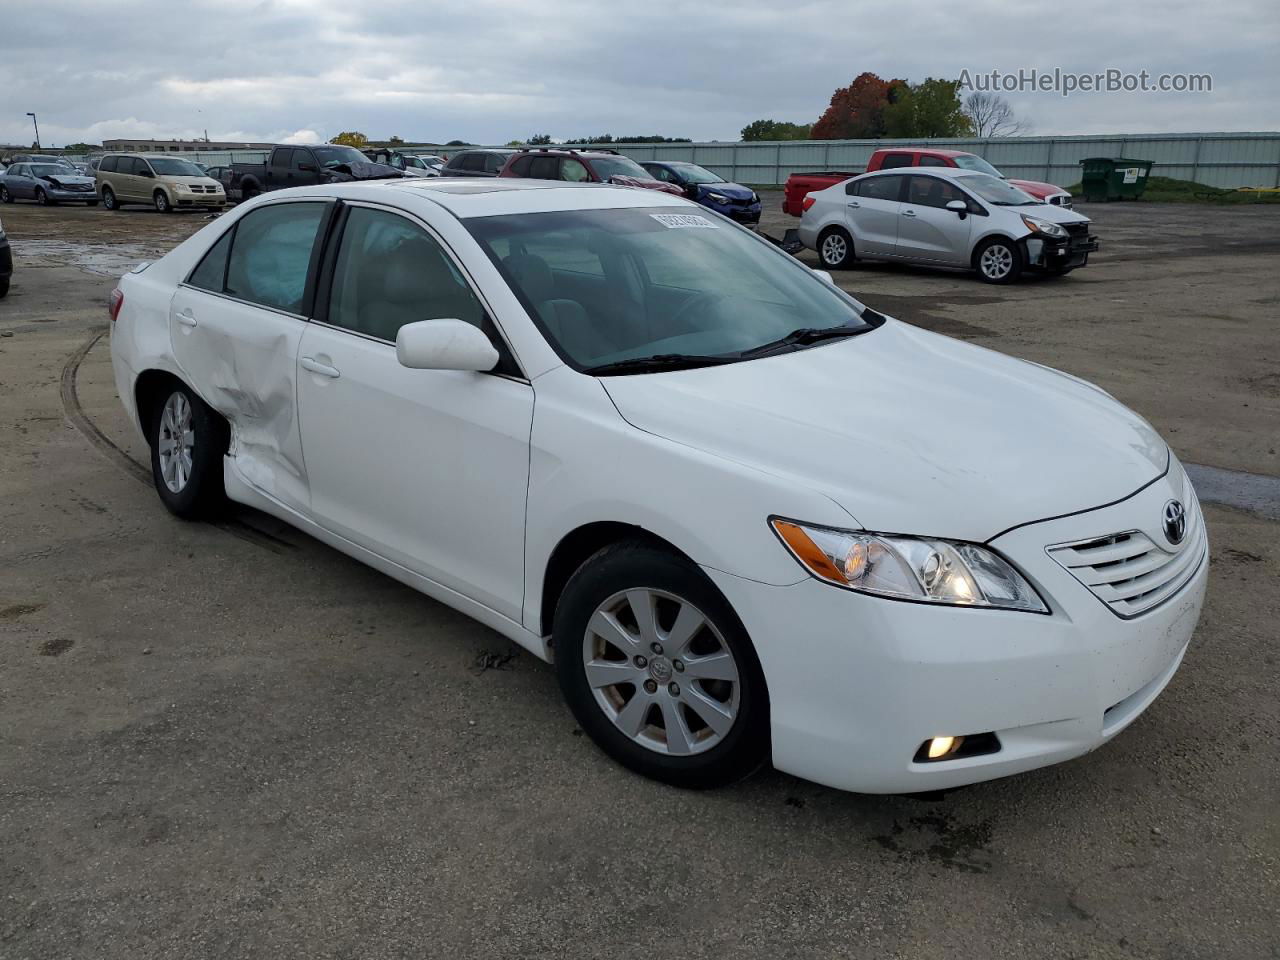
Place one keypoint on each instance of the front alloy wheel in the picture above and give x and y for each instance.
(162, 202)
(659, 670)
(999, 261)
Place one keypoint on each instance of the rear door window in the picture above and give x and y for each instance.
(520, 168)
(879, 188)
(472, 161)
(271, 254)
(930, 161)
(894, 160)
(543, 168)
(493, 162)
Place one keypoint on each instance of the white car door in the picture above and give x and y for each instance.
(871, 210)
(427, 468)
(235, 325)
(927, 230)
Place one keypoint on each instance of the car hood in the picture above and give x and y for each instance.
(908, 431)
(1051, 212)
(1038, 189)
(363, 171)
(67, 179)
(625, 181)
(734, 191)
(201, 179)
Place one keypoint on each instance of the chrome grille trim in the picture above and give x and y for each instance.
(1129, 571)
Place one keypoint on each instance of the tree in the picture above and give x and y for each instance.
(857, 111)
(351, 138)
(775, 130)
(395, 142)
(459, 143)
(539, 140)
(991, 116)
(928, 109)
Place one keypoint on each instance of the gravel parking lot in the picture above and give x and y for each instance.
(232, 741)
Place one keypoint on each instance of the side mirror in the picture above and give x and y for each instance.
(958, 206)
(447, 344)
(691, 190)
(823, 275)
(148, 174)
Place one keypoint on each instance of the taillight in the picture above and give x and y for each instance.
(807, 203)
(115, 303)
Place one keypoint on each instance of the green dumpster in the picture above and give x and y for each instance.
(1114, 178)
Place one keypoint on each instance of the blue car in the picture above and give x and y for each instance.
(700, 184)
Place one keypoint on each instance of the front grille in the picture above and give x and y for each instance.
(1061, 201)
(1131, 573)
(200, 188)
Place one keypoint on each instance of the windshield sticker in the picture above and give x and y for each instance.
(675, 220)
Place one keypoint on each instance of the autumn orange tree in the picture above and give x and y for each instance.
(857, 112)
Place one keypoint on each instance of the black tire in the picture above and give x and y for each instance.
(1011, 261)
(4, 286)
(109, 199)
(42, 198)
(835, 248)
(161, 201)
(202, 494)
(743, 747)
(5, 195)
(247, 193)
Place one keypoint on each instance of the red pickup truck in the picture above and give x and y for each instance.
(800, 185)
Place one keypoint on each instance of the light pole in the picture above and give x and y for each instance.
(37, 126)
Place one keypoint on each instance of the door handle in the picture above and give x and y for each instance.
(854, 203)
(186, 318)
(323, 369)
(908, 213)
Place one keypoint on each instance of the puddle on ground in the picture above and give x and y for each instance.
(101, 259)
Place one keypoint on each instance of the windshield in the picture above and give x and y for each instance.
(607, 167)
(51, 169)
(692, 173)
(967, 161)
(611, 285)
(994, 190)
(332, 156)
(173, 167)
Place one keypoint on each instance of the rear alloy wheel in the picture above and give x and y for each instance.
(109, 199)
(162, 203)
(658, 669)
(187, 443)
(998, 261)
(835, 249)
(5, 195)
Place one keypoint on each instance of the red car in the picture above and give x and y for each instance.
(583, 166)
(800, 185)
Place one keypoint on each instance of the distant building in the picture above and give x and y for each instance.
(137, 145)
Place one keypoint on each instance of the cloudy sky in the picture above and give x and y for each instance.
(490, 71)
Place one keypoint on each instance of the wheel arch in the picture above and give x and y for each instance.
(983, 240)
(149, 391)
(576, 547)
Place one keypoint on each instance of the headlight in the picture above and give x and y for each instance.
(180, 187)
(909, 568)
(1036, 225)
(717, 198)
(755, 198)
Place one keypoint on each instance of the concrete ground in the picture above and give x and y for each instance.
(231, 741)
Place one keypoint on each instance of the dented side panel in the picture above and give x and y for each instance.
(241, 359)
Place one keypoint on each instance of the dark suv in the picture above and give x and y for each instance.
(582, 166)
(476, 163)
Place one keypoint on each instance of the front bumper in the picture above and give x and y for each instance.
(739, 213)
(215, 200)
(63, 195)
(858, 683)
(1046, 253)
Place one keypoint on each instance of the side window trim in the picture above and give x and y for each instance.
(328, 266)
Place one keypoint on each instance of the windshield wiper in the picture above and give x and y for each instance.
(659, 361)
(803, 337)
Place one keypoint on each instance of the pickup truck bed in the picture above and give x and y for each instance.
(800, 185)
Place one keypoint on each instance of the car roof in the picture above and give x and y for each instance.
(936, 151)
(952, 173)
(466, 197)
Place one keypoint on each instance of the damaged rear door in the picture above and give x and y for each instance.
(235, 327)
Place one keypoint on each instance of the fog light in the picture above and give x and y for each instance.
(939, 747)
(936, 749)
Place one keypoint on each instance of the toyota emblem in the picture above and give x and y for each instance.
(1174, 521)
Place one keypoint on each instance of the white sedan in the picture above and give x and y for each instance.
(749, 518)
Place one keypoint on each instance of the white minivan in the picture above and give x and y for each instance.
(748, 518)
